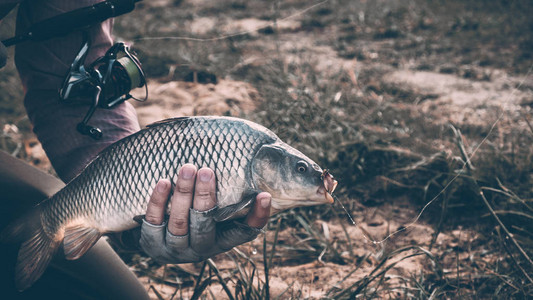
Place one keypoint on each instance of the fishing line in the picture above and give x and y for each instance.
(461, 172)
(271, 24)
(366, 235)
(344, 208)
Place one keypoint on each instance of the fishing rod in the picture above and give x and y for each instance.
(107, 81)
(78, 19)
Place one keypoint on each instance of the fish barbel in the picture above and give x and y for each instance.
(116, 186)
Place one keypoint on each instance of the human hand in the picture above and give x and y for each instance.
(191, 234)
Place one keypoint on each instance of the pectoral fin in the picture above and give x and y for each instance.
(237, 209)
(78, 240)
(139, 219)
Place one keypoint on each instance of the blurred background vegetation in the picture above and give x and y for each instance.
(323, 80)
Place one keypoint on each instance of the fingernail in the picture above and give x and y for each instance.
(162, 186)
(265, 203)
(187, 172)
(205, 175)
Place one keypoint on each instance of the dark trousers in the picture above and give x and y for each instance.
(99, 274)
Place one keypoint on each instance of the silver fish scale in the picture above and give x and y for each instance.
(116, 186)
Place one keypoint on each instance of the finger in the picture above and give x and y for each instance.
(152, 239)
(205, 190)
(203, 231)
(155, 212)
(178, 222)
(176, 243)
(260, 213)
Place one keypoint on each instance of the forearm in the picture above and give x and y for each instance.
(42, 67)
(55, 126)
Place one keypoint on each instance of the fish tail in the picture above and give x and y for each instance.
(36, 250)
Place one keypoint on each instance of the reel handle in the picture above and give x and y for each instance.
(93, 132)
(86, 129)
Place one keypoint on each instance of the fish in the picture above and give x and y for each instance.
(115, 187)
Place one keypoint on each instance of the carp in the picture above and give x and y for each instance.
(115, 187)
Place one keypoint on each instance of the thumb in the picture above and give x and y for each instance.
(260, 213)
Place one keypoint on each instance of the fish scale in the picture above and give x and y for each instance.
(116, 186)
(120, 180)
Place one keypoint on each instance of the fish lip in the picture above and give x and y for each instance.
(328, 186)
(328, 181)
(327, 195)
(335, 183)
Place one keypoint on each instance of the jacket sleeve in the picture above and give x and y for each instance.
(42, 67)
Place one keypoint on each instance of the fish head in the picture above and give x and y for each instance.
(290, 177)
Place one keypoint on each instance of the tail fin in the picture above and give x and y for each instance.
(36, 250)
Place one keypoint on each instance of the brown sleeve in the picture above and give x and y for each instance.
(55, 126)
(42, 67)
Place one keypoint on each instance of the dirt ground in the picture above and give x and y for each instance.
(411, 62)
(371, 90)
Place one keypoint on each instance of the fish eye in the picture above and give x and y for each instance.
(301, 166)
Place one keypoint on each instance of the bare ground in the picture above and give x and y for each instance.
(371, 89)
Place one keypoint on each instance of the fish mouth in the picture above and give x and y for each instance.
(328, 186)
(327, 195)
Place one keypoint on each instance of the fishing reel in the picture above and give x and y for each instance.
(105, 83)
(110, 78)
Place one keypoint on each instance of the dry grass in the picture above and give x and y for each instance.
(390, 156)
(379, 163)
